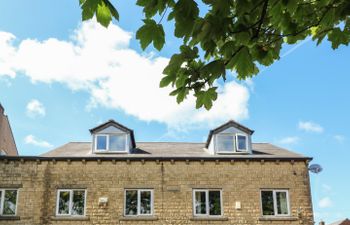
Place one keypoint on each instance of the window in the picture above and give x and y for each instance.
(111, 142)
(101, 142)
(242, 142)
(2, 153)
(71, 202)
(225, 143)
(138, 202)
(275, 202)
(207, 202)
(8, 202)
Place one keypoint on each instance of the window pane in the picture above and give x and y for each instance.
(267, 203)
(200, 202)
(145, 207)
(63, 202)
(225, 143)
(101, 142)
(242, 143)
(10, 201)
(282, 204)
(117, 142)
(78, 202)
(214, 203)
(131, 202)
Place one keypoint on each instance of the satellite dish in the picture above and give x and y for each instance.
(315, 168)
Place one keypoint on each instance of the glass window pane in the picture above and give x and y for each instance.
(131, 202)
(214, 203)
(242, 143)
(267, 203)
(282, 204)
(225, 143)
(78, 202)
(10, 201)
(117, 142)
(145, 207)
(101, 142)
(63, 202)
(200, 202)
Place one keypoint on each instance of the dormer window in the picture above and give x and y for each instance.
(225, 143)
(111, 142)
(230, 138)
(112, 137)
(241, 143)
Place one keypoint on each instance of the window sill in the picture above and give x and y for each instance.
(278, 218)
(70, 218)
(209, 218)
(10, 218)
(139, 218)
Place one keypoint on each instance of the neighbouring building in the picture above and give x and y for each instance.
(7, 142)
(340, 222)
(115, 180)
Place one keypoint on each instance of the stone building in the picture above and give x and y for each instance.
(7, 142)
(115, 180)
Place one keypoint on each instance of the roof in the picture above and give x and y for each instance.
(173, 150)
(230, 123)
(117, 125)
(342, 222)
(7, 141)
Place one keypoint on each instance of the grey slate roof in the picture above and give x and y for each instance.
(172, 150)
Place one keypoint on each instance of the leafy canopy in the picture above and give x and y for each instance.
(236, 35)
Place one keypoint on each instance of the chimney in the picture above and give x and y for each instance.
(1, 110)
(322, 223)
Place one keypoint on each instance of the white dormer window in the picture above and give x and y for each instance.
(225, 143)
(231, 143)
(111, 142)
(241, 142)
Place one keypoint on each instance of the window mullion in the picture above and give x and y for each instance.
(70, 202)
(2, 201)
(207, 202)
(138, 202)
(274, 196)
(107, 144)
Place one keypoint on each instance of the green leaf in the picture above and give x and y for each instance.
(243, 63)
(167, 80)
(338, 37)
(103, 10)
(185, 14)
(151, 32)
(103, 15)
(213, 70)
(206, 98)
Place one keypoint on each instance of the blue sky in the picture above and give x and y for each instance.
(301, 102)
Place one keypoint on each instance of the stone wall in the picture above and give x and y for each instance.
(172, 183)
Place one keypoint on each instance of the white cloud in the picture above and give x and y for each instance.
(30, 139)
(35, 108)
(310, 126)
(100, 61)
(325, 202)
(339, 138)
(289, 140)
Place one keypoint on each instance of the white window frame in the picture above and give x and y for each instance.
(139, 201)
(246, 143)
(233, 141)
(107, 143)
(274, 196)
(3, 200)
(70, 202)
(207, 209)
